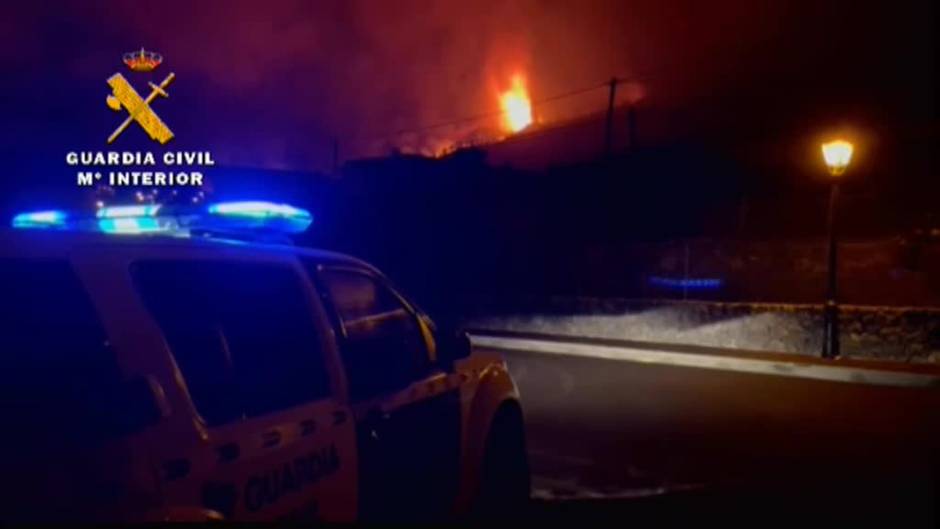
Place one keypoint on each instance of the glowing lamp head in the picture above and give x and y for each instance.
(838, 154)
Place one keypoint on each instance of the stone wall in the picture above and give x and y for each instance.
(891, 271)
(909, 334)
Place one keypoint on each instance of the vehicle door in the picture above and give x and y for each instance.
(245, 336)
(407, 407)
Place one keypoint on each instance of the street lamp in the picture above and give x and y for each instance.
(837, 154)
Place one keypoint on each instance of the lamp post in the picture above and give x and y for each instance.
(837, 154)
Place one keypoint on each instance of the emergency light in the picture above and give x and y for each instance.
(245, 218)
(40, 219)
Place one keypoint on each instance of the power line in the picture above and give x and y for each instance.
(477, 117)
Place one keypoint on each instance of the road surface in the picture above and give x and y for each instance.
(679, 433)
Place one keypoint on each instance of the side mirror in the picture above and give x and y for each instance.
(454, 346)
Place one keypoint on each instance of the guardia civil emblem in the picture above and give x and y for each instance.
(125, 97)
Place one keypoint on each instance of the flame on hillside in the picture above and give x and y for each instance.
(516, 106)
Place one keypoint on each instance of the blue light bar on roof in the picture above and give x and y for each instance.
(40, 219)
(248, 218)
(135, 225)
(265, 215)
(135, 210)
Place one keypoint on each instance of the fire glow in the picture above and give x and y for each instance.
(516, 106)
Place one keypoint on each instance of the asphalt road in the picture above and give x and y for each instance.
(715, 435)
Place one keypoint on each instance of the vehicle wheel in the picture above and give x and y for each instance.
(504, 480)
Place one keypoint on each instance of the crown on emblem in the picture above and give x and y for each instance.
(143, 60)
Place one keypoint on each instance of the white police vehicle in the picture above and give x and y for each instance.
(159, 366)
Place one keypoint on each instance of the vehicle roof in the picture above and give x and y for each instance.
(62, 242)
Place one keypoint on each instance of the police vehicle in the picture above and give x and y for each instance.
(170, 363)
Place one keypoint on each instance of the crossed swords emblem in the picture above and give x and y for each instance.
(124, 96)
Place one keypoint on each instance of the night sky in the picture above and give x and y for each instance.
(271, 84)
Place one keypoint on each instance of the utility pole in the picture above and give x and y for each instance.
(608, 134)
(631, 126)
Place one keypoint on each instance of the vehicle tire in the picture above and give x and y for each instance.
(504, 477)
